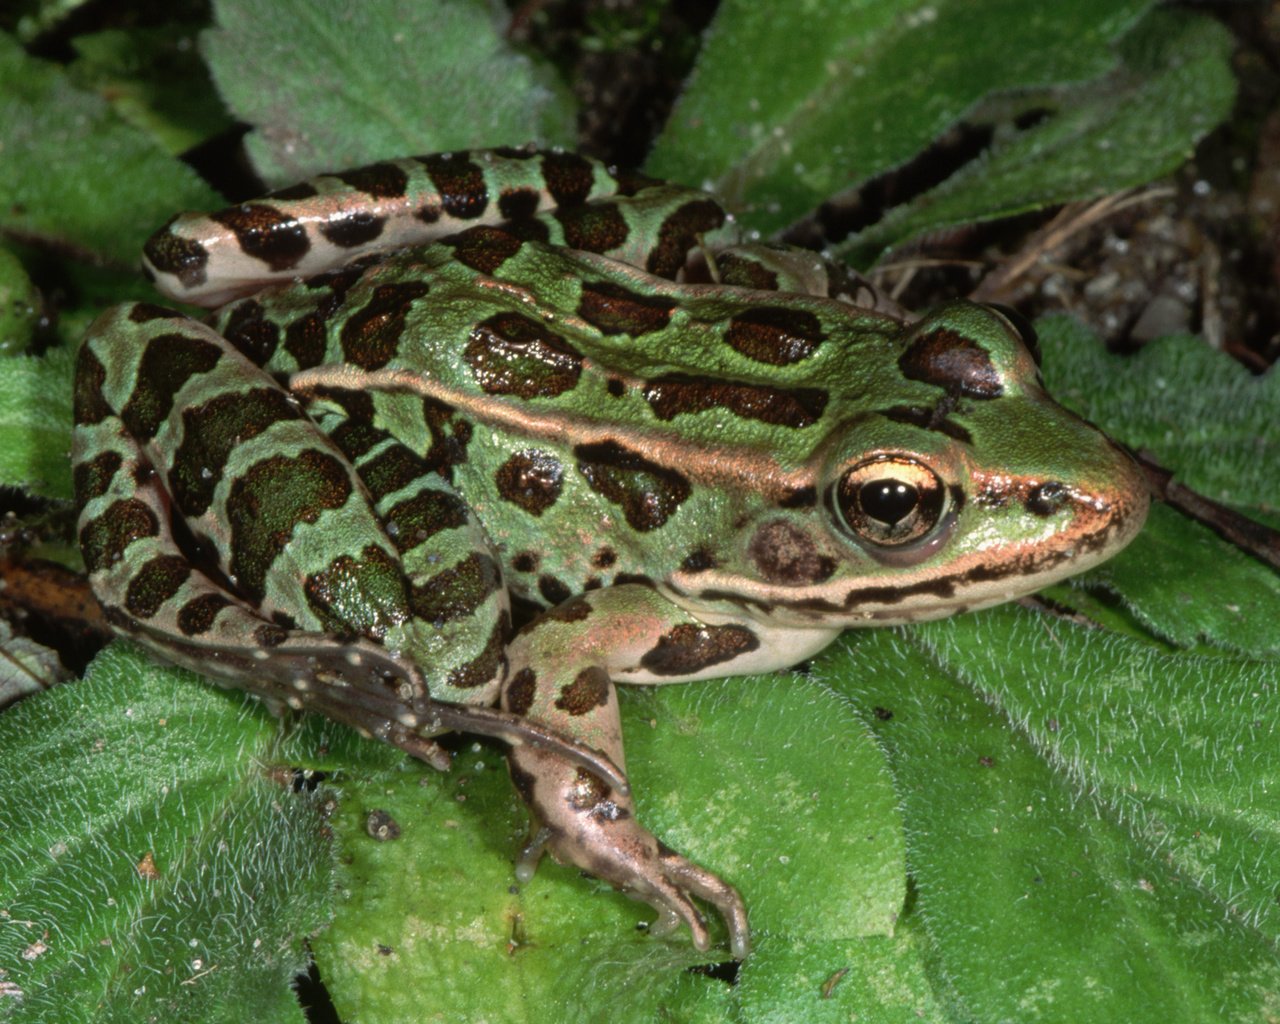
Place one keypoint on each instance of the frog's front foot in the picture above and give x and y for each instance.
(582, 821)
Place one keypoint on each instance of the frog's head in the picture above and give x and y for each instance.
(975, 488)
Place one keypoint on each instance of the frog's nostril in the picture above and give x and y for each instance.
(1046, 499)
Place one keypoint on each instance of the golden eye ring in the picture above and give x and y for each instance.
(890, 500)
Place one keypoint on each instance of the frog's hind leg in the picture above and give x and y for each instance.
(774, 266)
(563, 666)
(211, 506)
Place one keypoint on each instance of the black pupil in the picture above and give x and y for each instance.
(889, 501)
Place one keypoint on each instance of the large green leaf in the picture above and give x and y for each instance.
(792, 103)
(812, 838)
(1135, 124)
(35, 423)
(1091, 824)
(152, 864)
(73, 174)
(344, 85)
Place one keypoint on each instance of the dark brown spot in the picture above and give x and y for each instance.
(103, 540)
(588, 691)
(391, 470)
(698, 560)
(648, 494)
(412, 521)
(604, 558)
(519, 203)
(291, 193)
(88, 402)
(184, 258)
(457, 592)
(952, 361)
(145, 312)
(526, 561)
(553, 590)
(93, 478)
(197, 615)
(209, 434)
(743, 272)
(512, 354)
(460, 182)
(530, 479)
(484, 248)
(775, 335)
(593, 227)
(360, 594)
(371, 337)
(524, 782)
(615, 387)
(266, 234)
(353, 228)
(679, 233)
(569, 177)
(254, 336)
(520, 691)
(381, 180)
(671, 395)
(689, 648)
(612, 309)
(485, 665)
(154, 584)
(576, 609)
(784, 553)
(169, 361)
(305, 339)
(1047, 499)
(269, 500)
(450, 435)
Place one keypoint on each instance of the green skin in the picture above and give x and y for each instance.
(375, 466)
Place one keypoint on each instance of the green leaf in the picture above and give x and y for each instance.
(20, 305)
(793, 103)
(812, 839)
(875, 980)
(343, 86)
(1194, 409)
(35, 423)
(151, 79)
(1200, 411)
(1125, 129)
(151, 867)
(74, 175)
(1090, 823)
(1185, 584)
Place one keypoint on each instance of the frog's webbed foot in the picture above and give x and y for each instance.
(582, 821)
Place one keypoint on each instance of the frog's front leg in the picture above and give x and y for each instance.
(564, 665)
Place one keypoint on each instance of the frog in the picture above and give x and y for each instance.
(466, 440)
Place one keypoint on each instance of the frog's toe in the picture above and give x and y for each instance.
(585, 823)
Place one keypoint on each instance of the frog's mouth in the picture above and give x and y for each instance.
(1094, 529)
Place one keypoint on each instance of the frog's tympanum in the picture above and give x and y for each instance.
(439, 391)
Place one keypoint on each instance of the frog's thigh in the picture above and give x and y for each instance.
(458, 620)
(564, 664)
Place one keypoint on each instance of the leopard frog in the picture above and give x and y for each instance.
(510, 427)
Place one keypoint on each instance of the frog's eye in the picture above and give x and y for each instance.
(1020, 326)
(890, 501)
